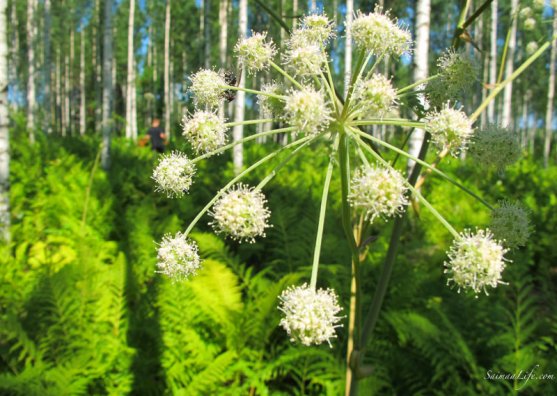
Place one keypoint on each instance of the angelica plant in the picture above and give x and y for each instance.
(304, 102)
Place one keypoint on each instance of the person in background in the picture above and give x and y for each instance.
(156, 136)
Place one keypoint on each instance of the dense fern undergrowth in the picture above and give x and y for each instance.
(82, 311)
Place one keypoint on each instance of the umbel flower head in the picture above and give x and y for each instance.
(376, 96)
(241, 214)
(255, 53)
(310, 316)
(271, 106)
(303, 56)
(378, 192)
(307, 110)
(317, 28)
(377, 33)
(495, 147)
(450, 129)
(204, 130)
(529, 24)
(207, 88)
(510, 224)
(476, 261)
(174, 174)
(531, 47)
(177, 257)
(458, 72)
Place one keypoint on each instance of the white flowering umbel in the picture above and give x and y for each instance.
(270, 105)
(307, 110)
(241, 214)
(496, 147)
(510, 224)
(376, 96)
(207, 88)
(450, 129)
(310, 316)
(458, 72)
(317, 28)
(177, 257)
(377, 33)
(476, 261)
(255, 53)
(531, 47)
(205, 131)
(378, 192)
(304, 57)
(174, 174)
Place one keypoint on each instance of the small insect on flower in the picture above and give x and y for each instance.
(255, 53)
(378, 192)
(174, 174)
(476, 261)
(204, 130)
(496, 147)
(375, 96)
(510, 224)
(377, 33)
(307, 111)
(241, 214)
(231, 80)
(310, 316)
(207, 86)
(450, 129)
(177, 257)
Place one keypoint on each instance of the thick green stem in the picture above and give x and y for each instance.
(285, 74)
(246, 139)
(385, 121)
(239, 177)
(253, 91)
(322, 211)
(417, 84)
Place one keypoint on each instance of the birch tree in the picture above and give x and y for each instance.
(223, 39)
(421, 67)
(506, 118)
(31, 94)
(47, 66)
(207, 34)
(238, 131)
(348, 45)
(167, 104)
(4, 131)
(550, 96)
(107, 85)
(492, 60)
(82, 97)
(131, 130)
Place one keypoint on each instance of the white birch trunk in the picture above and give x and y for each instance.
(294, 14)
(506, 119)
(47, 68)
(131, 74)
(313, 6)
(4, 127)
(134, 105)
(107, 85)
(421, 67)
(223, 39)
(207, 34)
(66, 111)
(98, 68)
(31, 98)
(492, 60)
(550, 97)
(167, 103)
(348, 45)
(82, 97)
(238, 131)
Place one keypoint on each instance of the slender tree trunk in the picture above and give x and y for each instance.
(294, 14)
(134, 105)
(107, 85)
(313, 5)
(47, 68)
(167, 103)
(58, 93)
(509, 68)
(31, 98)
(223, 39)
(67, 127)
(207, 34)
(550, 97)
(82, 95)
(98, 67)
(4, 127)
(14, 47)
(69, 93)
(238, 131)
(348, 45)
(492, 60)
(130, 85)
(421, 67)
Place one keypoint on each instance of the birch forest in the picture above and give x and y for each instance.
(278, 197)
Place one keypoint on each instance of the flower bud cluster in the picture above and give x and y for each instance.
(174, 174)
(510, 224)
(205, 131)
(450, 129)
(178, 257)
